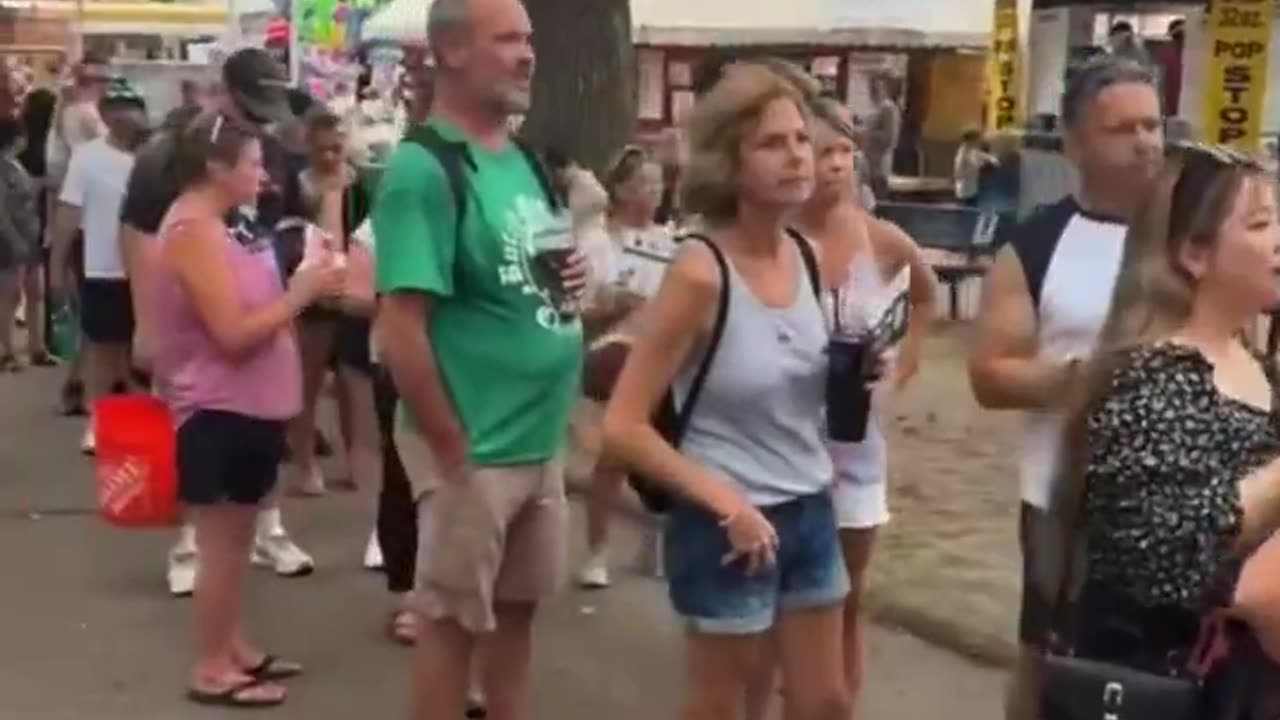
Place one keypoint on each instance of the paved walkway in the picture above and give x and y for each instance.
(87, 630)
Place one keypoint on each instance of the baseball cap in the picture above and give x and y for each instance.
(257, 84)
(120, 91)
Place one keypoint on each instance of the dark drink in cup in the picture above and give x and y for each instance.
(848, 395)
(548, 272)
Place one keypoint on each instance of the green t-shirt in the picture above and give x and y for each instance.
(510, 363)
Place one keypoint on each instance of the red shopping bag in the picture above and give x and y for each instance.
(135, 462)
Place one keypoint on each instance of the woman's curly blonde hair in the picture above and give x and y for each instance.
(719, 123)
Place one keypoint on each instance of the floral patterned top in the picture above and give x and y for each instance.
(1166, 453)
(19, 215)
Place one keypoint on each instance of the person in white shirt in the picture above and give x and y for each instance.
(629, 266)
(971, 158)
(75, 122)
(883, 132)
(89, 202)
(1045, 301)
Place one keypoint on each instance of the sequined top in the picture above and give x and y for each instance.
(1167, 451)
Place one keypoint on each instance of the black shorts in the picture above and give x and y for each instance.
(1035, 618)
(225, 457)
(76, 262)
(351, 348)
(106, 311)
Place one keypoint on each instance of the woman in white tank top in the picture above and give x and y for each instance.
(866, 265)
(628, 258)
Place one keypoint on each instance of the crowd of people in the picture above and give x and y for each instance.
(235, 260)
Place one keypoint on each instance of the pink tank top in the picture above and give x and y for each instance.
(193, 374)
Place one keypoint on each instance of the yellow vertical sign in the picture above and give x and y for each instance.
(1004, 104)
(1235, 85)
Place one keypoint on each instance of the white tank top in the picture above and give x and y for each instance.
(860, 302)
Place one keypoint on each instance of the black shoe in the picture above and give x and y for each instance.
(72, 404)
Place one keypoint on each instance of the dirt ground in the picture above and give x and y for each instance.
(946, 566)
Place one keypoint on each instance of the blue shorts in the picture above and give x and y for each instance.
(723, 599)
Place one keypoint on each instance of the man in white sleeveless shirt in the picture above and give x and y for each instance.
(1045, 301)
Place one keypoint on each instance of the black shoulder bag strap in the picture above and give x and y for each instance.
(809, 258)
(454, 159)
(685, 413)
(543, 175)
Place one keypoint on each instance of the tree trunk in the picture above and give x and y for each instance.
(584, 90)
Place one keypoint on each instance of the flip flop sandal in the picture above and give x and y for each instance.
(10, 364)
(43, 360)
(234, 696)
(403, 628)
(272, 668)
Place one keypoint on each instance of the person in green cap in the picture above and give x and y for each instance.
(89, 202)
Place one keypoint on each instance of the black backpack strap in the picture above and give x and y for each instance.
(685, 412)
(543, 175)
(809, 258)
(454, 159)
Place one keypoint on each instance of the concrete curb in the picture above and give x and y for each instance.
(883, 606)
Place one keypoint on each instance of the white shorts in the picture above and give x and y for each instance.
(861, 507)
(861, 494)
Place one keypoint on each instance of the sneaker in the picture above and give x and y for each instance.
(88, 443)
(278, 552)
(182, 571)
(594, 573)
(373, 553)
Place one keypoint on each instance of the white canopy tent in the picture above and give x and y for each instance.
(894, 23)
(702, 23)
(401, 21)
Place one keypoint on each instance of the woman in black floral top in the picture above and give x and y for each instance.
(1174, 477)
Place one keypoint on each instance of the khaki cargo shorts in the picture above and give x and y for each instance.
(494, 535)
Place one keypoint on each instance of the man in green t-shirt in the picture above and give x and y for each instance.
(485, 355)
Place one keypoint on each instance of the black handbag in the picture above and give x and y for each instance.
(1074, 688)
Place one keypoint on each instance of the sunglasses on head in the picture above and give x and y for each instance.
(626, 162)
(1220, 154)
(1201, 164)
(629, 154)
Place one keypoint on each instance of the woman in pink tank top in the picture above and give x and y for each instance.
(226, 362)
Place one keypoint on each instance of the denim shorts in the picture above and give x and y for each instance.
(723, 599)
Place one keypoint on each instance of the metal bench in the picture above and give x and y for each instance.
(966, 235)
